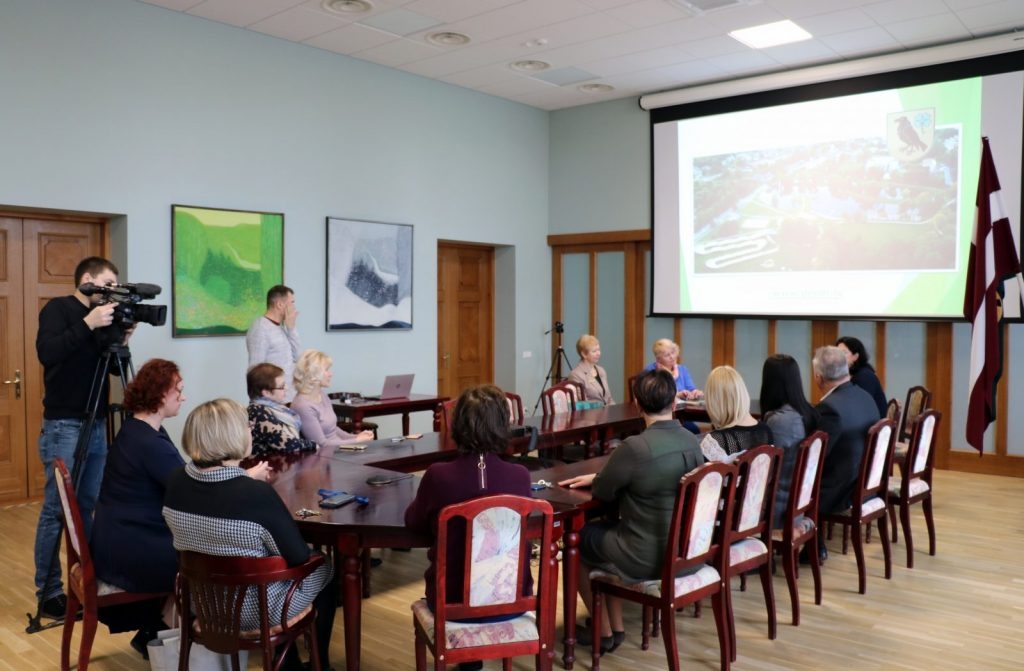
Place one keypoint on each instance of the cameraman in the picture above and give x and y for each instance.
(69, 351)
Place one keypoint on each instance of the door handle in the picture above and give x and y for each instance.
(446, 357)
(16, 382)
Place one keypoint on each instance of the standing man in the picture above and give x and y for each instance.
(70, 353)
(272, 338)
(846, 413)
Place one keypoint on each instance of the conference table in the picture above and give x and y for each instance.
(380, 524)
(355, 409)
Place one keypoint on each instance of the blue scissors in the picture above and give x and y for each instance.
(327, 493)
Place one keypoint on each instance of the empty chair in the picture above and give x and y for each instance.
(560, 397)
(800, 521)
(749, 534)
(914, 485)
(696, 552)
(213, 588)
(919, 399)
(498, 534)
(892, 410)
(515, 408)
(869, 497)
(84, 589)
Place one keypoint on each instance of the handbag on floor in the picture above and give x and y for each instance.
(164, 652)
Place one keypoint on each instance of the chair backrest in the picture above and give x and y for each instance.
(214, 588)
(892, 410)
(877, 462)
(806, 484)
(631, 387)
(919, 399)
(703, 506)
(498, 532)
(921, 451)
(515, 408)
(444, 414)
(74, 529)
(758, 478)
(560, 398)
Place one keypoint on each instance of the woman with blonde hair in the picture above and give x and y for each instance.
(728, 406)
(212, 508)
(666, 356)
(318, 422)
(588, 375)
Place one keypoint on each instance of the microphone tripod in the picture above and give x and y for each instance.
(554, 375)
(114, 357)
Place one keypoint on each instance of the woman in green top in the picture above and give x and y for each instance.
(641, 477)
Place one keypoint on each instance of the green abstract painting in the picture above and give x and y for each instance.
(224, 261)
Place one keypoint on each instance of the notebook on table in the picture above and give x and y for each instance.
(395, 386)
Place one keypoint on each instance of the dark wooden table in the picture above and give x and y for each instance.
(357, 410)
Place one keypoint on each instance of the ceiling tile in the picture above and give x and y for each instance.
(901, 10)
(517, 86)
(647, 13)
(994, 17)
(478, 77)
(861, 42)
(350, 39)
(836, 22)
(744, 62)
(400, 22)
(713, 46)
(929, 30)
(641, 60)
(604, 5)
(450, 11)
(808, 52)
(176, 5)
(397, 52)
(743, 16)
(241, 13)
(298, 24)
(518, 18)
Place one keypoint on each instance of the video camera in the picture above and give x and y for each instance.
(128, 312)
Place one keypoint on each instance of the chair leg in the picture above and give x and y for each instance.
(789, 569)
(892, 521)
(69, 626)
(668, 632)
(730, 620)
(769, 599)
(88, 634)
(886, 550)
(846, 536)
(908, 538)
(926, 508)
(596, 608)
(645, 635)
(719, 606)
(858, 550)
(421, 651)
(815, 568)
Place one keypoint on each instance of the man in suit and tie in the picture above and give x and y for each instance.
(846, 413)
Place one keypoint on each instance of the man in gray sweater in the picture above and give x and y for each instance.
(273, 338)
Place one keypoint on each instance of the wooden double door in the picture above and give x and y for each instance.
(37, 262)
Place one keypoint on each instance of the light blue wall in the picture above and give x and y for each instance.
(600, 181)
(115, 106)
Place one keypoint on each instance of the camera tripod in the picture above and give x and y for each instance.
(554, 375)
(115, 358)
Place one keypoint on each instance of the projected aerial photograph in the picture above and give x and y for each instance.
(871, 203)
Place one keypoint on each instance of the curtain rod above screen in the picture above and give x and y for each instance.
(945, 53)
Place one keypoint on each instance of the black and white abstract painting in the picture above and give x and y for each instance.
(369, 275)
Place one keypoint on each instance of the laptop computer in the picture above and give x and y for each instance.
(395, 386)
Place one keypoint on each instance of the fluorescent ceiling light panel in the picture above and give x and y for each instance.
(770, 34)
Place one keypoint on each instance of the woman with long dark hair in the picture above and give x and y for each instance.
(790, 416)
(862, 373)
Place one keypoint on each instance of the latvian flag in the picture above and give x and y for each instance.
(993, 259)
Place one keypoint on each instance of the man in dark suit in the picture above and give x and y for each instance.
(846, 413)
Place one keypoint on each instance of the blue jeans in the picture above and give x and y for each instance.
(58, 439)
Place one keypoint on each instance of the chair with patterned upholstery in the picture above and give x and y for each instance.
(919, 399)
(560, 398)
(84, 588)
(800, 521)
(869, 498)
(515, 408)
(749, 534)
(696, 552)
(892, 410)
(914, 485)
(213, 588)
(498, 533)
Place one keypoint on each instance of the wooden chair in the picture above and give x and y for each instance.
(213, 589)
(696, 548)
(84, 589)
(749, 534)
(919, 399)
(915, 483)
(559, 398)
(498, 532)
(869, 497)
(515, 408)
(800, 526)
(443, 423)
(892, 410)
(631, 387)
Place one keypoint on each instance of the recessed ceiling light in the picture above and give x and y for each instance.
(595, 88)
(770, 34)
(346, 6)
(448, 39)
(529, 66)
